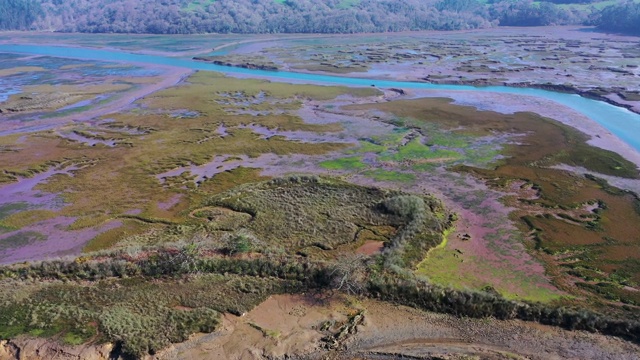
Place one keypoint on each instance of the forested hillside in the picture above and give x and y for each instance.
(19, 14)
(295, 16)
(624, 18)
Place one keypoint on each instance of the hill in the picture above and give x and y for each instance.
(623, 18)
(275, 16)
(307, 16)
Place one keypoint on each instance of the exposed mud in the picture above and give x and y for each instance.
(293, 326)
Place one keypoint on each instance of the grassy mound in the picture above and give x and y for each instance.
(322, 217)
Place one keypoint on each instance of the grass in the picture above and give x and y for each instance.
(369, 147)
(110, 238)
(306, 213)
(10, 208)
(150, 142)
(415, 150)
(347, 163)
(21, 219)
(79, 336)
(132, 310)
(229, 179)
(548, 143)
(21, 239)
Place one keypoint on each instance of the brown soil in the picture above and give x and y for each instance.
(282, 325)
(289, 325)
(25, 348)
(370, 248)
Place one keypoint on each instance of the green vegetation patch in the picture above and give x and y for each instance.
(143, 316)
(416, 150)
(300, 213)
(21, 219)
(347, 163)
(8, 209)
(20, 239)
(559, 223)
(369, 147)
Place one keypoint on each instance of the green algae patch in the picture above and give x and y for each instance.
(347, 163)
(417, 151)
(368, 147)
(447, 139)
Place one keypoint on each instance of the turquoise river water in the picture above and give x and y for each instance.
(619, 121)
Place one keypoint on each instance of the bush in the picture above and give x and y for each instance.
(240, 242)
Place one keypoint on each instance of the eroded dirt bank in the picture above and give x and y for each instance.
(287, 326)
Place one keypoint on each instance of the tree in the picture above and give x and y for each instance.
(19, 14)
(349, 273)
(624, 18)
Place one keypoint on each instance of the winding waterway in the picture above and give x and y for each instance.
(619, 121)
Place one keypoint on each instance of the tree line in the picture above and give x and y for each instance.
(19, 14)
(269, 16)
(303, 16)
(621, 18)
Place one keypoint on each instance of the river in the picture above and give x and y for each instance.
(621, 122)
